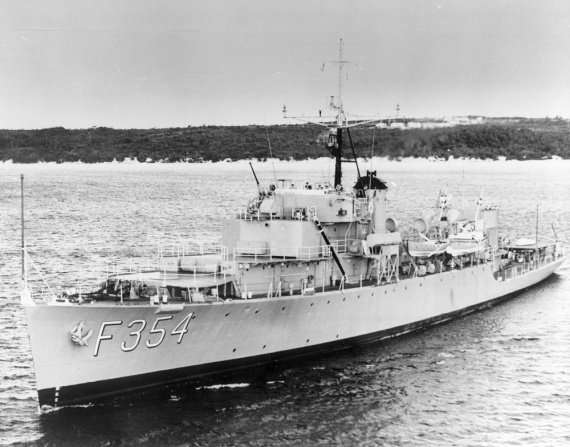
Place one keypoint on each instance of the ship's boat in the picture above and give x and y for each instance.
(432, 229)
(300, 270)
(427, 248)
(467, 241)
(473, 233)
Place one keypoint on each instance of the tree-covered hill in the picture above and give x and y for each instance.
(512, 138)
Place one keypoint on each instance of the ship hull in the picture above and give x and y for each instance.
(136, 347)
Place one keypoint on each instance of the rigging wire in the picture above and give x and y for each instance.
(271, 155)
(371, 159)
(353, 152)
(317, 151)
(463, 186)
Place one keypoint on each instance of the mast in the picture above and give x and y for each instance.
(335, 129)
(340, 65)
(339, 121)
(338, 158)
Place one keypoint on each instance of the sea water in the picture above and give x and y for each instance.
(499, 377)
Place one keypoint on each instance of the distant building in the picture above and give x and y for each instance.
(397, 126)
(433, 125)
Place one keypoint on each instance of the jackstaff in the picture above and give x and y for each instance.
(23, 246)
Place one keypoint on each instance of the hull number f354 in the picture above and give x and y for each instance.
(154, 337)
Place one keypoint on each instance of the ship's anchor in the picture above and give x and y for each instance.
(77, 337)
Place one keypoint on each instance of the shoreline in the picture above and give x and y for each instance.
(360, 160)
(290, 168)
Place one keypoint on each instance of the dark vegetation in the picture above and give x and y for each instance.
(520, 138)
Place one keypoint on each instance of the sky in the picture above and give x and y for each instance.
(174, 63)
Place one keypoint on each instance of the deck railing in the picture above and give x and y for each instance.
(279, 253)
(516, 269)
(49, 284)
(257, 251)
(190, 248)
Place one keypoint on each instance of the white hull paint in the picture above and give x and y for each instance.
(223, 335)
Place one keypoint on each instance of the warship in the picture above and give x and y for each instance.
(299, 271)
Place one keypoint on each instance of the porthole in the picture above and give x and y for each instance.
(234, 349)
(406, 288)
(385, 292)
(358, 297)
(227, 314)
(311, 304)
(328, 302)
(257, 311)
(344, 299)
(336, 335)
(282, 309)
(264, 346)
(307, 340)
